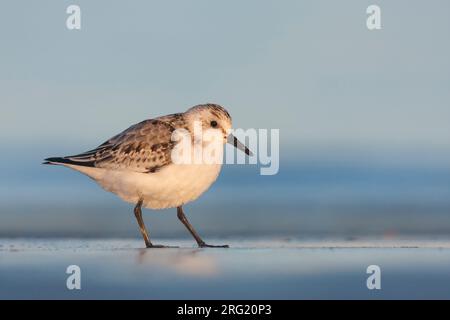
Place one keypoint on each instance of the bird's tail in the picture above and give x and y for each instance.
(85, 167)
(59, 161)
(54, 161)
(79, 160)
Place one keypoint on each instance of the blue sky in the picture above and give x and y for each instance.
(310, 68)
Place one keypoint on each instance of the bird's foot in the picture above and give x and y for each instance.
(159, 246)
(205, 245)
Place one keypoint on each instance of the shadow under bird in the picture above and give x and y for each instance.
(137, 164)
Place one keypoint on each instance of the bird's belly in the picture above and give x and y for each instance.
(172, 186)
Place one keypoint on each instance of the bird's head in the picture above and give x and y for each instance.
(214, 117)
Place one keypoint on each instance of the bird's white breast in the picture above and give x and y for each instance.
(172, 186)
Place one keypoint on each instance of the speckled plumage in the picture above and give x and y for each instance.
(144, 147)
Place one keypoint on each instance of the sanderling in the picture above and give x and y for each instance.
(137, 164)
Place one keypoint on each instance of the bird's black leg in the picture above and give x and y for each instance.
(194, 233)
(138, 214)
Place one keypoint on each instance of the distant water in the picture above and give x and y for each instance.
(306, 198)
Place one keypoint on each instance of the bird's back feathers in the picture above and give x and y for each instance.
(144, 147)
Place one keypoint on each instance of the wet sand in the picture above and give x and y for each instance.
(250, 269)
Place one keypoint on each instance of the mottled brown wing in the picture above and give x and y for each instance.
(144, 147)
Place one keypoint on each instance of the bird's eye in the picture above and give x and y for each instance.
(213, 123)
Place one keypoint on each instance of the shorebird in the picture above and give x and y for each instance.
(137, 164)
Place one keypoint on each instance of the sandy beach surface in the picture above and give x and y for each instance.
(250, 269)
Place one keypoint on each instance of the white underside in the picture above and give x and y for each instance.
(172, 186)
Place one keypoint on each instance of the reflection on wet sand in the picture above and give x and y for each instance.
(250, 269)
(182, 262)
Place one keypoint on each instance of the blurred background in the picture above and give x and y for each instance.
(363, 115)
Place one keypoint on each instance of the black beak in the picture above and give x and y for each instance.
(235, 142)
